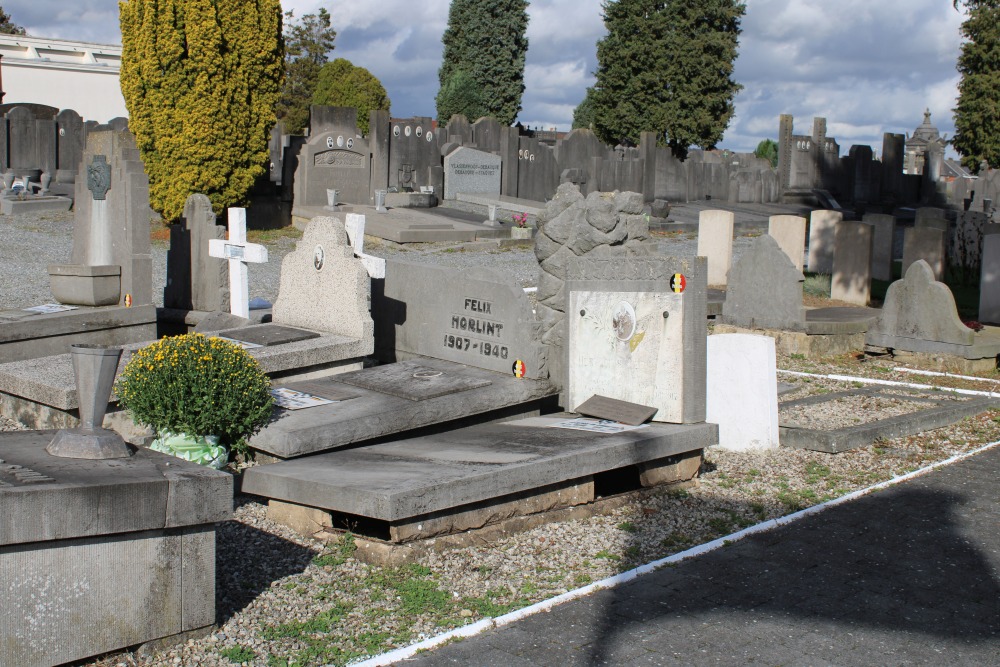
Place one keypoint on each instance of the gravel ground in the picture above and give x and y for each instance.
(285, 600)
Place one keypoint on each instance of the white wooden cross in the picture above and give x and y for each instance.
(355, 226)
(238, 252)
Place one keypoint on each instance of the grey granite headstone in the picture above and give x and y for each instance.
(323, 286)
(21, 144)
(989, 278)
(852, 264)
(470, 171)
(637, 333)
(335, 157)
(822, 228)
(882, 245)
(69, 145)
(928, 244)
(479, 318)
(765, 289)
(415, 149)
(196, 280)
(918, 308)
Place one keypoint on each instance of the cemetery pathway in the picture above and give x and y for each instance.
(909, 575)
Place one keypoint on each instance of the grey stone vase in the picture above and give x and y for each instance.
(94, 367)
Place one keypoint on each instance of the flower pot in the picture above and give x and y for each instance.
(521, 232)
(94, 367)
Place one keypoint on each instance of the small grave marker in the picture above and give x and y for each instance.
(238, 252)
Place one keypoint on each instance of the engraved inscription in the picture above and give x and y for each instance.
(23, 475)
(475, 329)
(470, 169)
(340, 158)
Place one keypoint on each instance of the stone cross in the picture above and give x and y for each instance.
(238, 252)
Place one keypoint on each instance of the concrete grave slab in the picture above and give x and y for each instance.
(373, 414)
(939, 411)
(269, 334)
(70, 529)
(398, 481)
(413, 381)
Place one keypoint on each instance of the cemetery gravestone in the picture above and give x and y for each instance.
(765, 289)
(323, 265)
(742, 390)
(852, 265)
(237, 252)
(790, 233)
(470, 171)
(195, 279)
(715, 243)
(928, 244)
(822, 229)
(929, 216)
(334, 157)
(485, 321)
(882, 244)
(989, 282)
(637, 334)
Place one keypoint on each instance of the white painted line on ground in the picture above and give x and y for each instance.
(612, 582)
(891, 383)
(918, 371)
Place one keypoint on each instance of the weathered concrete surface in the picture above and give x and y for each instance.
(411, 478)
(373, 414)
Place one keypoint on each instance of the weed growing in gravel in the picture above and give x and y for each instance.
(238, 654)
(606, 555)
(627, 526)
(338, 552)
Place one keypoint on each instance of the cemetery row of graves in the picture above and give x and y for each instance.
(419, 448)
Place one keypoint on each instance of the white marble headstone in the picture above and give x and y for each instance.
(742, 391)
(628, 346)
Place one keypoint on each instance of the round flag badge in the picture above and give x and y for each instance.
(128, 300)
(678, 283)
(518, 369)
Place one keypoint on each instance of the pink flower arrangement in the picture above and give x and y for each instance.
(520, 219)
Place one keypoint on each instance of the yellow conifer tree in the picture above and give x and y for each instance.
(200, 80)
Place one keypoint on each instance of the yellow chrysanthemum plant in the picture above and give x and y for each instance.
(198, 394)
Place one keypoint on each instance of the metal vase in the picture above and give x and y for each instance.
(94, 367)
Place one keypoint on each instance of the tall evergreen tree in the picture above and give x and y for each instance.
(583, 114)
(977, 116)
(341, 84)
(460, 94)
(487, 39)
(308, 43)
(666, 66)
(200, 80)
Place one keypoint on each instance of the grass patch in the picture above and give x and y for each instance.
(237, 654)
(337, 553)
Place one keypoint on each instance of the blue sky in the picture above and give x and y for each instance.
(868, 66)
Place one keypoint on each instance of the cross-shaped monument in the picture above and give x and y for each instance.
(238, 252)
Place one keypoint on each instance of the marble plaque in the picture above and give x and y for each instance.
(628, 346)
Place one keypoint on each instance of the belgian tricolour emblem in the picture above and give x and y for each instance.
(678, 283)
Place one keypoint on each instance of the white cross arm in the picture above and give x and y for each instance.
(253, 253)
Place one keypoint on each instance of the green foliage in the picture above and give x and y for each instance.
(197, 385)
(337, 554)
(238, 654)
(488, 40)
(460, 94)
(768, 150)
(200, 79)
(666, 67)
(583, 115)
(977, 115)
(7, 26)
(307, 44)
(341, 84)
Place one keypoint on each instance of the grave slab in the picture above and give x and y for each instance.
(398, 481)
(34, 204)
(938, 414)
(375, 414)
(70, 528)
(269, 334)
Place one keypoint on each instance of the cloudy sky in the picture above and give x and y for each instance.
(868, 66)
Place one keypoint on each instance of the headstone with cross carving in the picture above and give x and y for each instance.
(238, 253)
